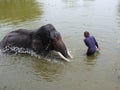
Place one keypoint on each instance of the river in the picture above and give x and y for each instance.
(71, 18)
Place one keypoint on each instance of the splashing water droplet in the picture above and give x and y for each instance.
(50, 57)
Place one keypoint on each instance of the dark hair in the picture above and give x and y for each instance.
(86, 34)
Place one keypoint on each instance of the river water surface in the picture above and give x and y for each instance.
(71, 18)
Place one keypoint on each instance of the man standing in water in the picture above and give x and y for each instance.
(91, 43)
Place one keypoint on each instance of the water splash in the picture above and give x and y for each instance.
(49, 57)
(17, 50)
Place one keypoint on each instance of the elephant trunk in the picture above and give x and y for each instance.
(60, 47)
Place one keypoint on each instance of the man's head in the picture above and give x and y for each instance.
(86, 34)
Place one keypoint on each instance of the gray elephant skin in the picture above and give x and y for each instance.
(42, 40)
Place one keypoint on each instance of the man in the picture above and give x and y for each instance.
(91, 43)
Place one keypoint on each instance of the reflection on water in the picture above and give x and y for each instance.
(89, 0)
(118, 13)
(47, 70)
(27, 65)
(71, 3)
(16, 11)
(91, 60)
(77, 3)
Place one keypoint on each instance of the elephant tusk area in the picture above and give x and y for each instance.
(64, 58)
(69, 54)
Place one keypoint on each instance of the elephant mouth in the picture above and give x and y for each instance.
(34, 46)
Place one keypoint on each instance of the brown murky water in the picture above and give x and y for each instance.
(70, 17)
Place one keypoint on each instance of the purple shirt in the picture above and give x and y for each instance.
(91, 43)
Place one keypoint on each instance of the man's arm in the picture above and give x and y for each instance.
(96, 42)
(85, 42)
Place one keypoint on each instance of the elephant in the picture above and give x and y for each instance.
(42, 40)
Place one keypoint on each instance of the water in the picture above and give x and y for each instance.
(71, 18)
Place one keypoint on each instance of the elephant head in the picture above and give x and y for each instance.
(52, 40)
(59, 45)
